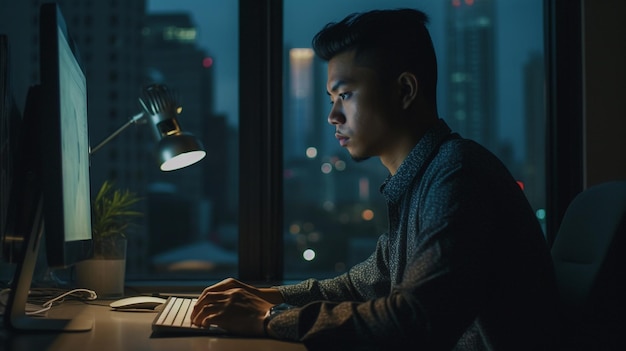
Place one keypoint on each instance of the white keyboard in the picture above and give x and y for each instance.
(175, 317)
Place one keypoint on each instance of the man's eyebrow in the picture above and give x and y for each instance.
(336, 86)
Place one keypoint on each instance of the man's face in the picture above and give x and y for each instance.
(363, 109)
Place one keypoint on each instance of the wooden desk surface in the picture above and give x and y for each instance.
(114, 331)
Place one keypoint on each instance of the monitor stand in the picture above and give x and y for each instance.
(15, 312)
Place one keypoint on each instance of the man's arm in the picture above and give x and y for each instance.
(447, 277)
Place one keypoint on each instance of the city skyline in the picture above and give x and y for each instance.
(518, 36)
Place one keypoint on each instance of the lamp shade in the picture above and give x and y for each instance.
(178, 151)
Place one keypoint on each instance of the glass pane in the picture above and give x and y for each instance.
(191, 228)
(189, 223)
(490, 90)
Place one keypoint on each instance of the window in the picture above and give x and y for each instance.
(191, 227)
(490, 89)
(302, 207)
(330, 211)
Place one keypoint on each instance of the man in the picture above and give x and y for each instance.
(464, 264)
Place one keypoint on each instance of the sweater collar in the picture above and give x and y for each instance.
(396, 185)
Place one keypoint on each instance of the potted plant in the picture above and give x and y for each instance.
(112, 215)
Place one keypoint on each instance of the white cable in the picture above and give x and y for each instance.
(48, 304)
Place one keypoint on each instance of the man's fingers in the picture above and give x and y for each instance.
(202, 314)
(224, 285)
(207, 303)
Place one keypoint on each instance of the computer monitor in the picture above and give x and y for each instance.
(51, 198)
(67, 205)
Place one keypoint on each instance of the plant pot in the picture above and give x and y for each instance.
(105, 273)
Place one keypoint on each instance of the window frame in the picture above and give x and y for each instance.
(260, 141)
(564, 108)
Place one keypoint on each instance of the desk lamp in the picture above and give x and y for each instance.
(175, 149)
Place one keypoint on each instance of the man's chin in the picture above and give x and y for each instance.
(358, 158)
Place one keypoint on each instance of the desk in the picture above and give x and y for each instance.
(114, 331)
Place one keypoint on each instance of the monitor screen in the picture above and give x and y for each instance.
(65, 151)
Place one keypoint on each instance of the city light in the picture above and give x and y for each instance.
(174, 33)
(340, 165)
(541, 214)
(367, 214)
(308, 255)
(300, 65)
(457, 3)
(301, 53)
(207, 62)
(326, 168)
(311, 152)
(294, 229)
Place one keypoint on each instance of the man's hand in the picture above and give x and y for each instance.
(237, 307)
(269, 294)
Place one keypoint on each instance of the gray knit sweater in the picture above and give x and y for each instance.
(464, 265)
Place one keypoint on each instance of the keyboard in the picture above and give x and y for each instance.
(175, 317)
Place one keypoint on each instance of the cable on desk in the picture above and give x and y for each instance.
(91, 295)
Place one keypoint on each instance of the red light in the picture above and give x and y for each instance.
(456, 3)
(207, 62)
(469, 2)
(521, 184)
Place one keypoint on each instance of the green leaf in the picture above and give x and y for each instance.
(112, 212)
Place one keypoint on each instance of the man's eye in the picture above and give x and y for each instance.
(344, 96)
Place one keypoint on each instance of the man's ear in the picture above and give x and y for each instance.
(408, 88)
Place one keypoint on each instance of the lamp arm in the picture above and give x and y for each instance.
(135, 119)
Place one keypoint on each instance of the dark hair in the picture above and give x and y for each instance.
(394, 41)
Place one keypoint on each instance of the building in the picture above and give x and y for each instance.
(469, 70)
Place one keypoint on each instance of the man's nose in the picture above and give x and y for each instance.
(336, 116)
